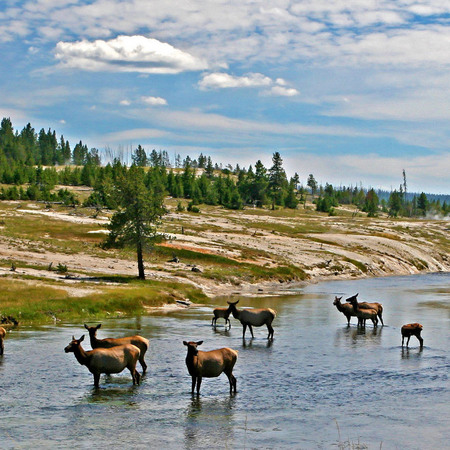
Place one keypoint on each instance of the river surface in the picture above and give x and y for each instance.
(319, 384)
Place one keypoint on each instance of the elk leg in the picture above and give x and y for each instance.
(96, 379)
(251, 330)
(194, 380)
(407, 342)
(269, 327)
(244, 325)
(199, 382)
(143, 364)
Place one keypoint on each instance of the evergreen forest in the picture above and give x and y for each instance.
(33, 164)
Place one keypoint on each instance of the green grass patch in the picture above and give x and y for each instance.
(33, 303)
(361, 266)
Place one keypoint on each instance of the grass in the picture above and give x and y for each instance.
(42, 303)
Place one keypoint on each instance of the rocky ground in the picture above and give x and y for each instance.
(348, 245)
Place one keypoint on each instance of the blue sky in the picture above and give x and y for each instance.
(352, 91)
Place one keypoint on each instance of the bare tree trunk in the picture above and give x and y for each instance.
(140, 261)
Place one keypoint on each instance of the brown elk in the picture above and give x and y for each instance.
(378, 307)
(2, 337)
(344, 308)
(140, 342)
(253, 318)
(412, 329)
(364, 314)
(210, 364)
(221, 313)
(106, 360)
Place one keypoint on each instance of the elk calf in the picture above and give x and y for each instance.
(412, 329)
(210, 364)
(106, 360)
(221, 313)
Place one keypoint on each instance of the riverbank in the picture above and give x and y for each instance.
(214, 253)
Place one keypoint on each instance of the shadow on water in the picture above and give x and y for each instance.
(112, 396)
(248, 343)
(351, 336)
(221, 331)
(207, 418)
(414, 353)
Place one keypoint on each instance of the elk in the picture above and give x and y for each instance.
(344, 308)
(253, 317)
(221, 313)
(2, 337)
(106, 360)
(363, 314)
(412, 329)
(378, 307)
(210, 364)
(140, 342)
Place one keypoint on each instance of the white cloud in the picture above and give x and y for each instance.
(221, 80)
(154, 101)
(125, 103)
(127, 54)
(281, 91)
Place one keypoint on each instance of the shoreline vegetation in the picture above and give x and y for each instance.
(53, 267)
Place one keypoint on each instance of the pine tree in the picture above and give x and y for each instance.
(136, 222)
(277, 181)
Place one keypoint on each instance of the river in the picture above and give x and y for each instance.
(318, 385)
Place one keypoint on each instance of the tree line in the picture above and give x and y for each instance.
(33, 163)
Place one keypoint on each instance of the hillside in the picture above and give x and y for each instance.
(247, 252)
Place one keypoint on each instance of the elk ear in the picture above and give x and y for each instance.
(73, 338)
(185, 343)
(356, 295)
(199, 342)
(81, 338)
(85, 326)
(98, 326)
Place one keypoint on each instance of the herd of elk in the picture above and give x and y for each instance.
(113, 355)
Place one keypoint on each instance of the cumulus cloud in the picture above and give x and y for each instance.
(221, 80)
(127, 54)
(281, 91)
(154, 101)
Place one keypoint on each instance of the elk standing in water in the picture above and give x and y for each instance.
(2, 337)
(221, 313)
(140, 342)
(378, 307)
(210, 364)
(412, 329)
(364, 314)
(106, 360)
(253, 317)
(344, 308)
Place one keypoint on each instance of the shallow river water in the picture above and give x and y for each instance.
(317, 385)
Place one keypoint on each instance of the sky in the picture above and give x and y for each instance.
(352, 91)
